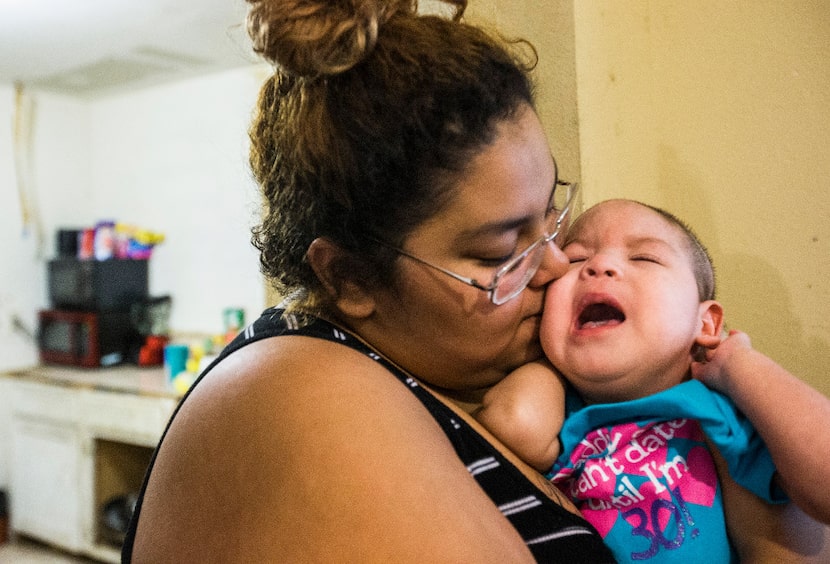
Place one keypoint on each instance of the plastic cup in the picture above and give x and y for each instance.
(175, 360)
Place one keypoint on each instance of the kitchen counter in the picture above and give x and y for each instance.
(126, 379)
(80, 438)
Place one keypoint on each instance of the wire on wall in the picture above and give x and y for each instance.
(22, 147)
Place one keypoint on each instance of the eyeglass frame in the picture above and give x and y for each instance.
(512, 263)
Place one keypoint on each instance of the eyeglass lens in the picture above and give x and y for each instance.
(516, 276)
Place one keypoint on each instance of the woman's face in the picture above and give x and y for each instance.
(445, 332)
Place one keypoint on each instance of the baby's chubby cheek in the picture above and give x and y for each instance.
(553, 329)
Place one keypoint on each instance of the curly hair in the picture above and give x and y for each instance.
(372, 113)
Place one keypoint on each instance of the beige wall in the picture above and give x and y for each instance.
(719, 112)
(549, 26)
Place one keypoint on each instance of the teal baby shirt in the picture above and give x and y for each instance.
(642, 474)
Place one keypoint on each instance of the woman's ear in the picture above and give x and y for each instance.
(711, 324)
(326, 259)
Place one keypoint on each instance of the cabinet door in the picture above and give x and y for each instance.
(45, 476)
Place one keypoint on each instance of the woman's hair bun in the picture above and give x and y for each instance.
(313, 38)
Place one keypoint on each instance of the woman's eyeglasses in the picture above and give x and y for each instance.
(513, 277)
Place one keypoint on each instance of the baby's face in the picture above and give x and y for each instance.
(622, 322)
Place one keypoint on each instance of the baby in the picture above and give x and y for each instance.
(650, 455)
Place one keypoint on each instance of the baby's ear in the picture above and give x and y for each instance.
(710, 314)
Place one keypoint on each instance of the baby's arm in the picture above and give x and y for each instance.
(525, 411)
(764, 532)
(792, 418)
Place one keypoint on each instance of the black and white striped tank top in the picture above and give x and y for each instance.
(552, 533)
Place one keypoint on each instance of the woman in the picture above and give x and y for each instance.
(412, 209)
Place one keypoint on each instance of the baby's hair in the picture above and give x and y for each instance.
(702, 264)
(701, 261)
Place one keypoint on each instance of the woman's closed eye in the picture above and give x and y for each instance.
(496, 254)
(493, 261)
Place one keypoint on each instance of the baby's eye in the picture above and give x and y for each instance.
(647, 258)
(575, 253)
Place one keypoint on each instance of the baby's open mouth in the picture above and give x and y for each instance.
(599, 315)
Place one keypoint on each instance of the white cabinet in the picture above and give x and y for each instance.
(44, 482)
(72, 450)
(46, 460)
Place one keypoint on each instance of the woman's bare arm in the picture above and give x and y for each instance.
(292, 461)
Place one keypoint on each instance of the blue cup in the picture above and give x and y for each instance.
(175, 360)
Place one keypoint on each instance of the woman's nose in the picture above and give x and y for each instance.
(554, 265)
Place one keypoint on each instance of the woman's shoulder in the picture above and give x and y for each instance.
(307, 398)
(296, 440)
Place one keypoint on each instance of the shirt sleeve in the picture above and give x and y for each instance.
(749, 461)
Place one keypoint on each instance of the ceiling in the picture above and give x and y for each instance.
(91, 48)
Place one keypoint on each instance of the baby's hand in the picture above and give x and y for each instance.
(715, 370)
